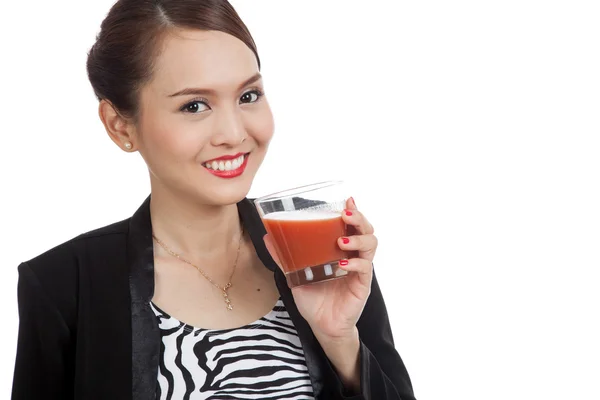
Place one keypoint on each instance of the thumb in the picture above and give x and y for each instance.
(271, 248)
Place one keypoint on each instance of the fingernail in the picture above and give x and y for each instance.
(343, 262)
(353, 202)
(348, 212)
(345, 240)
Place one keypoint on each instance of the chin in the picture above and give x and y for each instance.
(225, 193)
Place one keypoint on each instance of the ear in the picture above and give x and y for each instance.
(120, 129)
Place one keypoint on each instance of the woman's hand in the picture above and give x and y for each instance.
(332, 308)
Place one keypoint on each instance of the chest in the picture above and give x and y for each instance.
(185, 294)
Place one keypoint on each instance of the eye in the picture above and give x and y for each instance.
(195, 107)
(251, 97)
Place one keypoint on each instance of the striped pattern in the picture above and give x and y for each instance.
(262, 360)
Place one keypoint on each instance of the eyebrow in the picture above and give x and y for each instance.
(200, 91)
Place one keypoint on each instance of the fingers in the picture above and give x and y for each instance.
(357, 220)
(350, 204)
(364, 244)
(364, 269)
(359, 265)
(358, 242)
(360, 233)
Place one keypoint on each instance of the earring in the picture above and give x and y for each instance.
(128, 145)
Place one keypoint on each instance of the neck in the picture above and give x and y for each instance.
(196, 230)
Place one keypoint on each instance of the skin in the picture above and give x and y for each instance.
(195, 212)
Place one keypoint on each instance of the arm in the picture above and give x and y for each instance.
(41, 365)
(380, 372)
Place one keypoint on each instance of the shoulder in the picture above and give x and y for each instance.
(58, 276)
(68, 252)
(60, 269)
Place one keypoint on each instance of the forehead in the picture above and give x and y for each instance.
(194, 58)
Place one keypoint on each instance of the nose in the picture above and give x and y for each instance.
(229, 127)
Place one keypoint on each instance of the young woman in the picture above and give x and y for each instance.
(183, 300)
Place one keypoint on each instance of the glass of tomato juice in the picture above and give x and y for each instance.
(304, 224)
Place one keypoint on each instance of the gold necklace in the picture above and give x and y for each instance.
(225, 288)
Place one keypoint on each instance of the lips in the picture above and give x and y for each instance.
(228, 166)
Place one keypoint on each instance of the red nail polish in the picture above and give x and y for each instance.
(343, 262)
(348, 213)
(345, 240)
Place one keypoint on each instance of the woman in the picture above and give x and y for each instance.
(167, 304)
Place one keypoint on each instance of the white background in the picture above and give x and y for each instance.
(468, 129)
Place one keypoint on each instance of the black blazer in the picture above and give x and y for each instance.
(87, 330)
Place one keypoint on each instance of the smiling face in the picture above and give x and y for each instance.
(204, 102)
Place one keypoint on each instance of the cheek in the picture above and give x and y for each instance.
(170, 137)
(262, 126)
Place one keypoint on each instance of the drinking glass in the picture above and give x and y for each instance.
(304, 224)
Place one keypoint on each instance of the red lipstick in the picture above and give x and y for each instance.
(225, 158)
(232, 173)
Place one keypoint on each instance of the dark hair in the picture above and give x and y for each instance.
(122, 59)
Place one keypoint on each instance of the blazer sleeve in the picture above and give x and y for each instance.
(43, 344)
(383, 375)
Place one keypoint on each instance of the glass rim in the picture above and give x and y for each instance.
(297, 190)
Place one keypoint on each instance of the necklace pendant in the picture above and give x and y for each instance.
(227, 301)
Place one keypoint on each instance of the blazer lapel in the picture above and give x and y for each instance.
(145, 335)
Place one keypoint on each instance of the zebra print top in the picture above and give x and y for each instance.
(262, 360)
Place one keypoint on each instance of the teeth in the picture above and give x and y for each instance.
(237, 162)
(228, 165)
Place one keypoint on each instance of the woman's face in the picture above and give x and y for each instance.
(204, 102)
